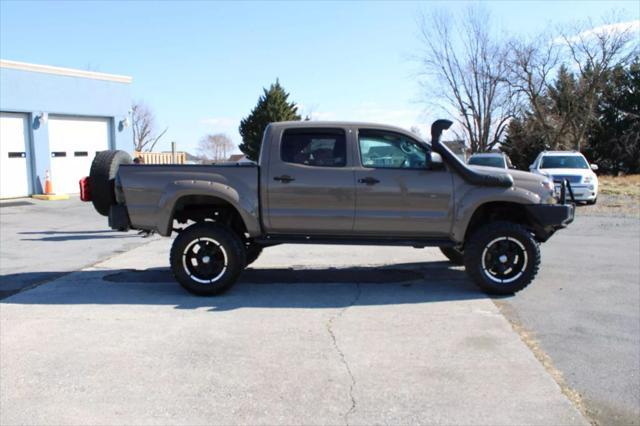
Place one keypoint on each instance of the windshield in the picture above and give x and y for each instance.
(564, 162)
(487, 161)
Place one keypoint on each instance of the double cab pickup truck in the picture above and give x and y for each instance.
(334, 183)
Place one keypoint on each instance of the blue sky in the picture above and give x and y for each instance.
(202, 65)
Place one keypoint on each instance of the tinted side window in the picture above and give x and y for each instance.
(321, 148)
(390, 151)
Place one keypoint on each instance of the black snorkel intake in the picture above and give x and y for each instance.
(504, 180)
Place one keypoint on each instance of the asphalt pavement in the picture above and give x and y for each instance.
(584, 309)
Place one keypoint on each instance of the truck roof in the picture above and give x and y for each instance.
(302, 124)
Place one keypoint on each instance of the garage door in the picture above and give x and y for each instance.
(73, 143)
(14, 167)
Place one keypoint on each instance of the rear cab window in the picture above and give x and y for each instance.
(314, 147)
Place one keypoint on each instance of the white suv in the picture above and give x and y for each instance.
(570, 166)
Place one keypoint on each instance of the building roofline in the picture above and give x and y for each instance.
(69, 72)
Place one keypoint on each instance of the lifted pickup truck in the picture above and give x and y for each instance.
(334, 183)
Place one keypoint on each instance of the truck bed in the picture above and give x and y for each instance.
(150, 191)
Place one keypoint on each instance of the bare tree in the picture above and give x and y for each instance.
(531, 66)
(470, 70)
(215, 147)
(594, 51)
(145, 137)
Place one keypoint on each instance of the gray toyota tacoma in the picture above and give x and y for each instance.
(334, 183)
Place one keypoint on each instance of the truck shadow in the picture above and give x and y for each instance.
(409, 283)
(54, 236)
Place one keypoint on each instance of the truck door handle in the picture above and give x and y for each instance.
(284, 178)
(369, 180)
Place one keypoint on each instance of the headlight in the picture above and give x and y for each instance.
(548, 184)
(587, 179)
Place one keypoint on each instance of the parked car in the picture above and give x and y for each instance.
(571, 166)
(333, 183)
(491, 159)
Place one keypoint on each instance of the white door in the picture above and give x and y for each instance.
(73, 142)
(14, 168)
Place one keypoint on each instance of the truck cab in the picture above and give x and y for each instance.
(352, 180)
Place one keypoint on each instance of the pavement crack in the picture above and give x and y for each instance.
(343, 359)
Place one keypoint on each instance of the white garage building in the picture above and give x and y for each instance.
(55, 120)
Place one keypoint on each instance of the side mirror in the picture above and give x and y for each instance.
(435, 161)
(594, 167)
(531, 167)
(513, 167)
(436, 158)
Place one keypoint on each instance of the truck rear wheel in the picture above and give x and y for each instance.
(502, 257)
(207, 258)
(102, 176)
(454, 254)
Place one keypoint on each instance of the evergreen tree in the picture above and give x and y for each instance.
(614, 140)
(272, 106)
(524, 141)
(568, 111)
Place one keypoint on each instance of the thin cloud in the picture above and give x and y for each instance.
(323, 115)
(401, 117)
(220, 121)
(616, 28)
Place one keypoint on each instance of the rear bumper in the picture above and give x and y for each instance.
(548, 218)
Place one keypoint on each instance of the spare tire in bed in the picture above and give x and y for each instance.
(102, 175)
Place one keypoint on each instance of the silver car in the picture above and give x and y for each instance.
(491, 159)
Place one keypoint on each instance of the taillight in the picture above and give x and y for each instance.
(85, 188)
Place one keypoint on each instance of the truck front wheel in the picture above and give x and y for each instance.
(207, 258)
(502, 257)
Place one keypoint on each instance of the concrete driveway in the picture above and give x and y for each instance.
(328, 334)
(384, 338)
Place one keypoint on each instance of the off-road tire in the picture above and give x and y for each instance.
(102, 176)
(252, 251)
(511, 234)
(208, 233)
(454, 254)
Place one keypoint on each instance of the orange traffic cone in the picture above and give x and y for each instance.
(48, 187)
(48, 191)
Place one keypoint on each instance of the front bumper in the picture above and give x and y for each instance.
(548, 218)
(580, 192)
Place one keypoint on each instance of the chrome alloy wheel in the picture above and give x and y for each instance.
(504, 260)
(204, 260)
